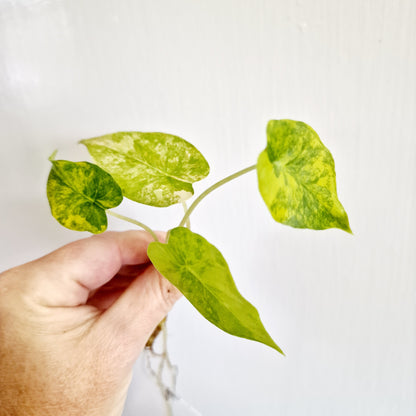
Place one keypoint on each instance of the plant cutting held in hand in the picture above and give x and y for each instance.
(296, 179)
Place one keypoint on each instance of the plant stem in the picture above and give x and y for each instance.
(140, 224)
(185, 210)
(212, 188)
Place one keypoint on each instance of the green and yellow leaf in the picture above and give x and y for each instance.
(155, 169)
(296, 177)
(79, 193)
(199, 271)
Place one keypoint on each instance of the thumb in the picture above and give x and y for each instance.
(132, 318)
(67, 276)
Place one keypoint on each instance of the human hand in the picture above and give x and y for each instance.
(73, 323)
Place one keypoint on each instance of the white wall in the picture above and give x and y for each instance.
(214, 72)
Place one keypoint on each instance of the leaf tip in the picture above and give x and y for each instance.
(85, 142)
(279, 350)
(345, 225)
(51, 158)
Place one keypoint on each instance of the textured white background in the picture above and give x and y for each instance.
(214, 72)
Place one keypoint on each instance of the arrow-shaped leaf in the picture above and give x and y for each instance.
(296, 176)
(79, 193)
(200, 272)
(155, 169)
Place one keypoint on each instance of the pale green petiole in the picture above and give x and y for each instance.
(212, 188)
(131, 220)
(185, 209)
(188, 211)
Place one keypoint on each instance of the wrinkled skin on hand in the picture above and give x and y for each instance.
(73, 323)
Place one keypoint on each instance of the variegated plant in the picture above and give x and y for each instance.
(296, 178)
